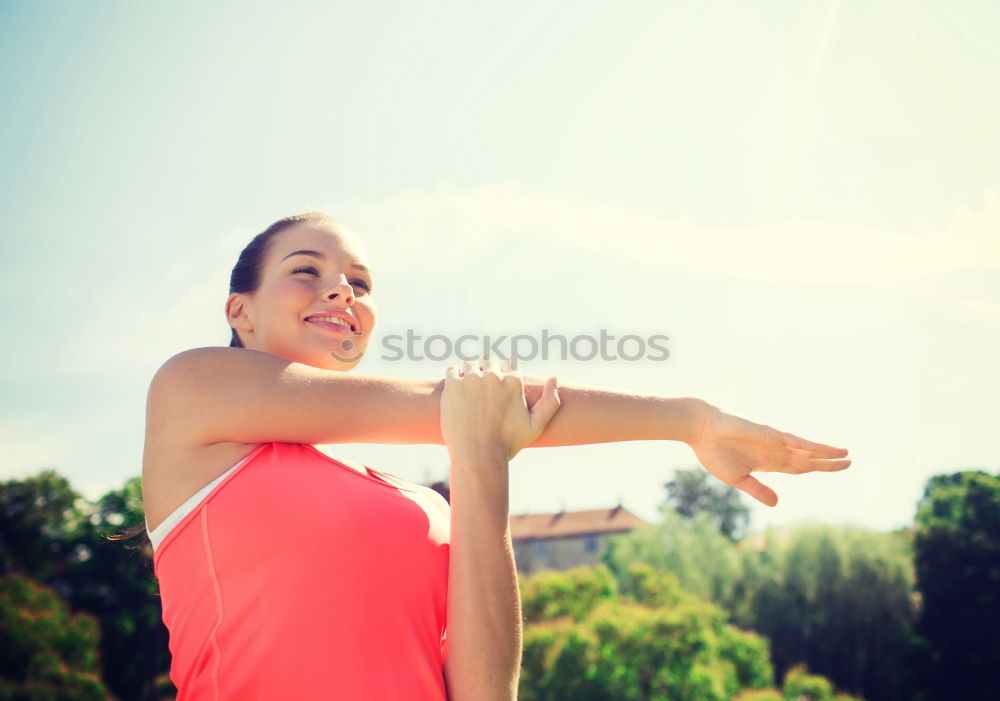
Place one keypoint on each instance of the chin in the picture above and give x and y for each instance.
(334, 363)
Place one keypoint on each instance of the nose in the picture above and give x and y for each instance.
(342, 290)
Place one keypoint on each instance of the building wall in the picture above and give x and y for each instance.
(535, 555)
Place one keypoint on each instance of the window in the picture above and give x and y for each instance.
(591, 543)
(541, 547)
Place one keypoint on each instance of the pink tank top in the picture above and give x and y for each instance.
(298, 577)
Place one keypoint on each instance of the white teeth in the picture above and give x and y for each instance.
(331, 319)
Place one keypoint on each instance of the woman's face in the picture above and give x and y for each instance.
(296, 286)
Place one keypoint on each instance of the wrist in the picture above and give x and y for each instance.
(479, 456)
(684, 418)
(480, 476)
(698, 413)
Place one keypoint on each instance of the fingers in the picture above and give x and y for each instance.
(487, 366)
(799, 462)
(759, 491)
(548, 404)
(488, 363)
(491, 365)
(471, 367)
(793, 441)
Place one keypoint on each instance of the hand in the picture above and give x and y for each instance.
(484, 410)
(731, 448)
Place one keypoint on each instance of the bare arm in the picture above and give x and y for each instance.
(590, 414)
(483, 647)
(485, 422)
(213, 394)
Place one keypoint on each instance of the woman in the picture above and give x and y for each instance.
(287, 574)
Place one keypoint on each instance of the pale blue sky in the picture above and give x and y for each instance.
(803, 196)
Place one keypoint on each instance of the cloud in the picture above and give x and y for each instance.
(451, 224)
(447, 226)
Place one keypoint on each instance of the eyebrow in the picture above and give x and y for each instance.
(317, 254)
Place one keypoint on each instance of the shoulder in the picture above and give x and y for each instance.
(182, 369)
(196, 394)
(190, 363)
(178, 392)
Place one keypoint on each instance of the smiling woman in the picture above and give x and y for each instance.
(287, 574)
(254, 285)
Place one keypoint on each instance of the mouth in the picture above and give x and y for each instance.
(338, 328)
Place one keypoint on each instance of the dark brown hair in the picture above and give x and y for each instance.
(245, 278)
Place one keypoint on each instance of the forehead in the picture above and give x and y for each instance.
(330, 239)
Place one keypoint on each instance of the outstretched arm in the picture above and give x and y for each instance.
(215, 394)
(209, 395)
(590, 414)
(728, 446)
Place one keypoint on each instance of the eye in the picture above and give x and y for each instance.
(356, 282)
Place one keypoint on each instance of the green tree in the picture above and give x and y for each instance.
(39, 517)
(656, 643)
(45, 651)
(704, 560)
(839, 599)
(691, 492)
(117, 585)
(957, 554)
(800, 685)
(575, 593)
(51, 534)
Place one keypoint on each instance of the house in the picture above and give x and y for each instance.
(567, 539)
(561, 541)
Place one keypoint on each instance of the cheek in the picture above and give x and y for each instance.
(295, 290)
(370, 312)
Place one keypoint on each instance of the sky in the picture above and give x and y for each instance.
(804, 198)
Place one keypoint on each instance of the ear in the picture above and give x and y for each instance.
(236, 313)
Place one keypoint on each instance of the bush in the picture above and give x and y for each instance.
(45, 651)
(573, 593)
(658, 643)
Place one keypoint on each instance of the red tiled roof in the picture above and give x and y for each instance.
(569, 523)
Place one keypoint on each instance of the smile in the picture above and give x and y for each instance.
(337, 327)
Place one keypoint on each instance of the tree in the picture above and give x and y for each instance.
(45, 651)
(705, 561)
(839, 599)
(117, 585)
(690, 492)
(957, 554)
(52, 535)
(574, 593)
(39, 517)
(800, 685)
(656, 643)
